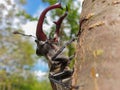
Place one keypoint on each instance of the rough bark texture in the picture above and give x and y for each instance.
(97, 65)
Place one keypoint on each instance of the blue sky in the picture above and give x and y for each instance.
(40, 65)
(33, 6)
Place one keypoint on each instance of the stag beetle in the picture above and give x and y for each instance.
(58, 63)
(59, 72)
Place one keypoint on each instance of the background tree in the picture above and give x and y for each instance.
(17, 55)
(97, 58)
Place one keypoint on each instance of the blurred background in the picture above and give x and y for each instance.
(20, 67)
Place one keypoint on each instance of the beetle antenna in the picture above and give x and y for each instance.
(16, 32)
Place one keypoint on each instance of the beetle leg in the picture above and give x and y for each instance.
(63, 75)
(57, 78)
(62, 48)
(71, 57)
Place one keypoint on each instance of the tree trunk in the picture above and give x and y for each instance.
(98, 50)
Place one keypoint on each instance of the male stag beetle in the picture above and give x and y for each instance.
(59, 73)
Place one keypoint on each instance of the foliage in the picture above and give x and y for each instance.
(16, 53)
(16, 82)
(27, 16)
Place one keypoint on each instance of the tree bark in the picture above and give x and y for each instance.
(98, 50)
